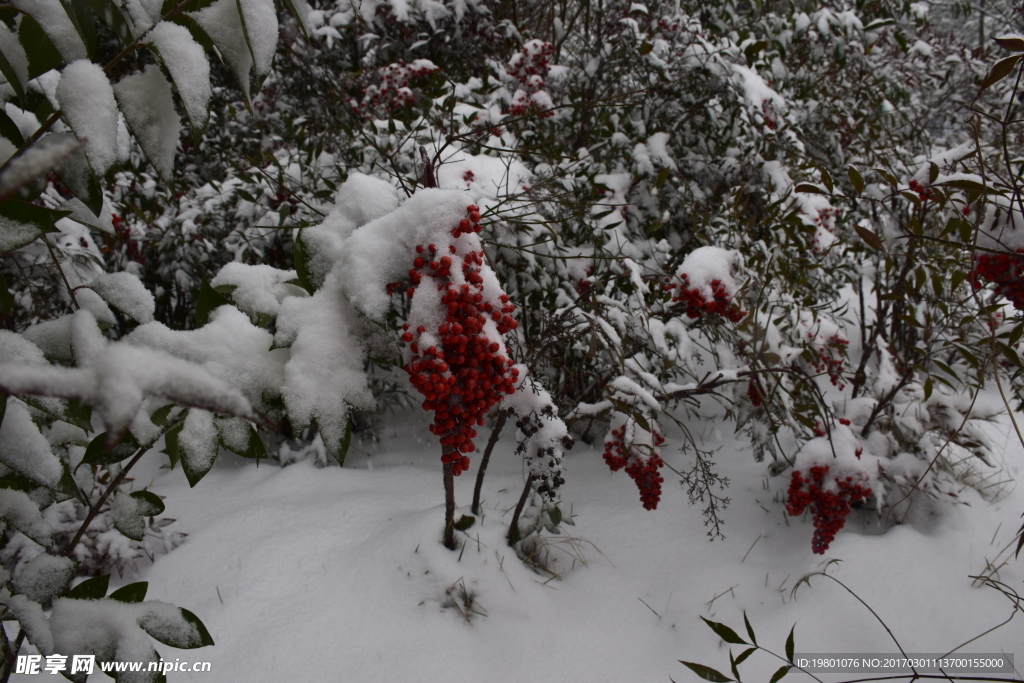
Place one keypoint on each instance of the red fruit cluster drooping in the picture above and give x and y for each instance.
(1006, 272)
(530, 66)
(924, 193)
(829, 508)
(641, 467)
(831, 358)
(696, 304)
(467, 374)
(755, 394)
(826, 221)
(390, 90)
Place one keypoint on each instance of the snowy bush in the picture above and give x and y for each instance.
(596, 228)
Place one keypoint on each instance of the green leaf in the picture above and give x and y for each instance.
(933, 172)
(555, 515)
(22, 223)
(645, 48)
(111, 15)
(780, 673)
(968, 185)
(999, 71)
(147, 503)
(826, 179)
(208, 300)
(97, 452)
(42, 55)
(929, 386)
(133, 592)
(746, 653)
(254, 447)
(856, 179)
(870, 238)
(888, 177)
(91, 589)
(344, 444)
(724, 632)
(19, 88)
(7, 127)
(301, 258)
(171, 443)
(160, 417)
(808, 188)
(790, 644)
(464, 522)
(290, 7)
(77, 175)
(750, 632)
(706, 672)
(1012, 43)
(6, 298)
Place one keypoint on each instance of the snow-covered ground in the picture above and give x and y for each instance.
(329, 574)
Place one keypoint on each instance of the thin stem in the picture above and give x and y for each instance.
(114, 484)
(513, 528)
(449, 507)
(495, 432)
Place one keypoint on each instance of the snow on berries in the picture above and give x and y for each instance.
(460, 365)
(530, 67)
(389, 90)
(705, 286)
(630, 446)
(828, 501)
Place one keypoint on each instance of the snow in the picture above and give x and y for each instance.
(260, 20)
(148, 107)
(124, 512)
(186, 61)
(125, 292)
(36, 161)
(107, 628)
(24, 449)
(87, 99)
(706, 264)
(31, 618)
(378, 579)
(258, 288)
(14, 347)
(325, 372)
(87, 341)
(229, 349)
(115, 383)
(223, 24)
(198, 441)
(55, 22)
(23, 515)
(43, 577)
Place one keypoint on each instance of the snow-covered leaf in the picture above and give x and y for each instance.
(23, 515)
(13, 61)
(21, 223)
(25, 450)
(129, 511)
(222, 22)
(173, 626)
(34, 163)
(87, 100)
(148, 107)
(125, 292)
(33, 621)
(198, 444)
(76, 173)
(259, 21)
(98, 453)
(120, 377)
(186, 62)
(53, 17)
(44, 577)
(241, 438)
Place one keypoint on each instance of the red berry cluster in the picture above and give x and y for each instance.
(391, 90)
(925, 193)
(696, 303)
(468, 374)
(755, 393)
(1006, 272)
(826, 220)
(124, 231)
(529, 66)
(642, 468)
(831, 358)
(829, 508)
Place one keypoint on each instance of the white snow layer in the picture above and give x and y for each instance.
(260, 20)
(87, 99)
(258, 288)
(223, 24)
(186, 61)
(57, 25)
(148, 108)
(23, 448)
(125, 292)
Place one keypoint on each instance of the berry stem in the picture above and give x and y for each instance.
(495, 432)
(449, 506)
(513, 528)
